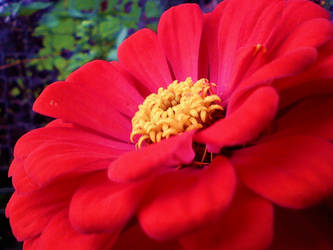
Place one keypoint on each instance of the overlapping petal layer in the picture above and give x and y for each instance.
(30, 213)
(115, 203)
(292, 171)
(153, 158)
(151, 66)
(180, 201)
(243, 125)
(174, 31)
(80, 182)
(59, 234)
(57, 101)
(302, 230)
(247, 224)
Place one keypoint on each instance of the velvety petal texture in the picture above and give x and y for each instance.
(292, 171)
(179, 26)
(59, 234)
(313, 116)
(150, 66)
(154, 158)
(243, 125)
(135, 238)
(115, 203)
(247, 224)
(305, 229)
(57, 101)
(181, 201)
(29, 214)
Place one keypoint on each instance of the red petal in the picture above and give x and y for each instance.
(247, 224)
(203, 64)
(209, 41)
(104, 79)
(320, 87)
(245, 123)
(313, 116)
(31, 244)
(301, 230)
(317, 80)
(142, 55)
(238, 21)
(179, 32)
(265, 23)
(312, 33)
(59, 234)
(63, 158)
(184, 200)
(100, 205)
(59, 123)
(138, 85)
(31, 140)
(135, 238)
(63, 150)
(313, 76)
(287, 65)
(300, 11)
(29, 213)
(292, 171)
(21, 181)
(78, 104)
(13, 166)
(153, 158)
(293, 14)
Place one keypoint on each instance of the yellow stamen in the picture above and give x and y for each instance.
(182, 106)
(204, 155)
(258, 48)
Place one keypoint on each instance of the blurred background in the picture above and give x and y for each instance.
(43, 41)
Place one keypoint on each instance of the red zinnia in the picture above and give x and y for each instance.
(258, 138)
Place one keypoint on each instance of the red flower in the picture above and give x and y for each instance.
(81, 184)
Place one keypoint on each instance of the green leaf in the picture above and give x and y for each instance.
(83, 5)
(32, 7)
(23, 9)
(65, 26)
(47, 64)
(108, 27)
(79, 27)
(41, 30)
(20, 83)
(75, 13)
(152, 26)
(15, 91)
(49, 21)
(152, 9)
(63, 42)
(45, 51)
(121, 36)
(112, 56)
(60, 63)
(38, 5)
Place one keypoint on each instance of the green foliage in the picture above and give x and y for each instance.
(75, 31)
(21, 9)
(152, 8)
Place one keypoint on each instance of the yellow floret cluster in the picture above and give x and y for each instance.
(183, 106)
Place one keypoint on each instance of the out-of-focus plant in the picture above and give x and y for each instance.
(23, 8)
(75, 32)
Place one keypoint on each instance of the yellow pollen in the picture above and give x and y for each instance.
(258, 48)
(183, 106)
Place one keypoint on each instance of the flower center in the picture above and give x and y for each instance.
(183, 106)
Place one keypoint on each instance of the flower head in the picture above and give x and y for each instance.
(190, 140)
